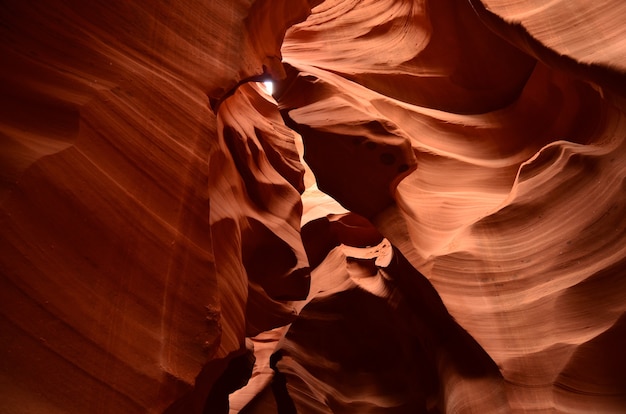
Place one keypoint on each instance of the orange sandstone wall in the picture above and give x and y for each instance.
(155, 211)
(120, 257)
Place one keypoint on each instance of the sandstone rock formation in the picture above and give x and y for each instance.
(429, 215)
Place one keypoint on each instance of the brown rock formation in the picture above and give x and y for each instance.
(159, 228)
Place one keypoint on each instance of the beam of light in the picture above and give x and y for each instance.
(269, 86)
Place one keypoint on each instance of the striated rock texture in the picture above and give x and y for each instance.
(168, 233)
(134, 215)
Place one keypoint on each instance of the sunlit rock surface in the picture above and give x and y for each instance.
(163, 244)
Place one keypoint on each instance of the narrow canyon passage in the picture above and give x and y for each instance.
(425, 215)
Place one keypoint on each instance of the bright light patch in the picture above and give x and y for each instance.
(269, 86)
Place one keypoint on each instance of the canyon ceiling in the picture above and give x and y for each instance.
(427, 216)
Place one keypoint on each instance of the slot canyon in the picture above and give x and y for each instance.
(426, 215)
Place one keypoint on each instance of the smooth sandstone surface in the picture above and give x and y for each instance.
(428, 216)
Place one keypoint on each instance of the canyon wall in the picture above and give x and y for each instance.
(428, 215)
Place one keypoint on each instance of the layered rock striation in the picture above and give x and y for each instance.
(427, 216)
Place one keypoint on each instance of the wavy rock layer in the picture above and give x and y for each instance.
(125, 267)
(156, 212)
(515, 210)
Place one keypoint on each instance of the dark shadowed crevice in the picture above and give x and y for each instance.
(235, 376)
(217, 379)
(270, 262)
(284, 402)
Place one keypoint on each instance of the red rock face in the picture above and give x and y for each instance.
(160, 229)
